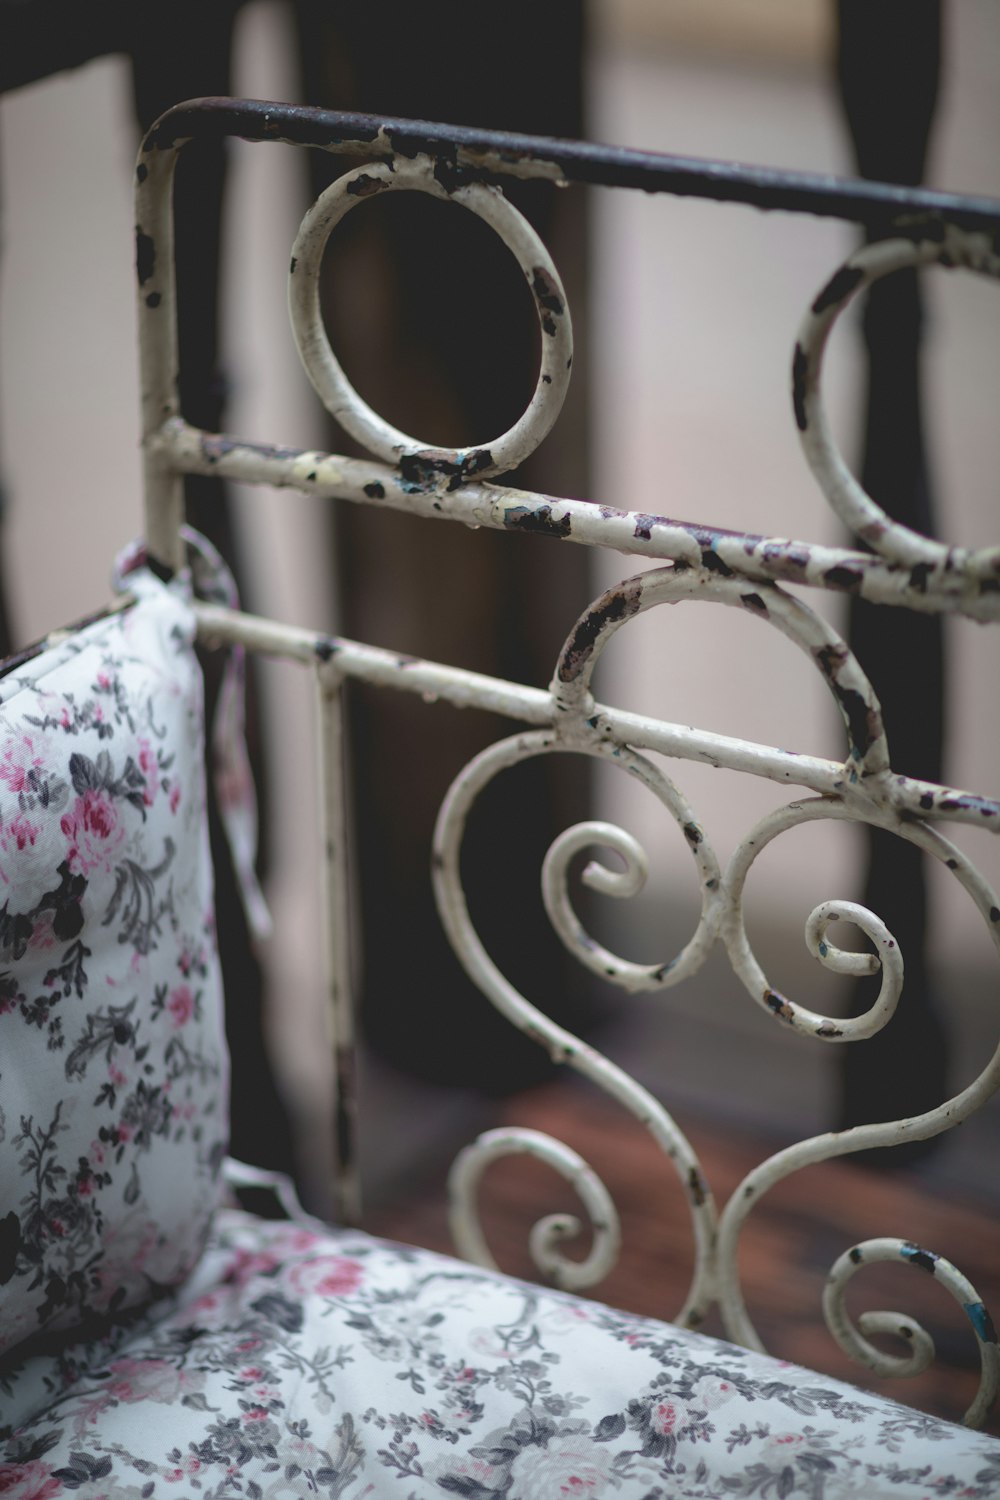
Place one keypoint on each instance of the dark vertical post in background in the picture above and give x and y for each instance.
(428, 312)
(889, 62)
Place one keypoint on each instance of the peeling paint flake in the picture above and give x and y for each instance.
(615, 607)
(925, 1259)
(545, 291)
(366, 186)
(838, 288)
(978, 1315)
(145, 256)
(537, 519)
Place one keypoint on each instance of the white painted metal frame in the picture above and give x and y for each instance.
(741, 572)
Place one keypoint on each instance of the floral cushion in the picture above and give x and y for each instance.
(330, 1364)
(113, 1076)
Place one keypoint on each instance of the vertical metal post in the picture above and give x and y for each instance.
(158, 357)
(903, 654)
(346, 1187)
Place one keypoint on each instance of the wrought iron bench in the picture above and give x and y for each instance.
(291, 1358)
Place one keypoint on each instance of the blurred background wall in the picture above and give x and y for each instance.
(692, 315)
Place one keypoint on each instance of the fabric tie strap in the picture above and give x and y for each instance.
(207, 577)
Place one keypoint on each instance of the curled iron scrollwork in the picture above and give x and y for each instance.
(856, 1340)
(562, 1044)
(548, 1234)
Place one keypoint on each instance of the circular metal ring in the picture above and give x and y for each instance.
(334, 389)
(948, 247)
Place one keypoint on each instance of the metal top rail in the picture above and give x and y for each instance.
(466, 154)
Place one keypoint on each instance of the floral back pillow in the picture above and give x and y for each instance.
(113, 1072)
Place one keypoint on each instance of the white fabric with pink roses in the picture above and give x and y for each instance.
(155, 1343)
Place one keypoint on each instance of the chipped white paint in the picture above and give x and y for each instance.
(855, 1341)
(499, 454)
(856, 508)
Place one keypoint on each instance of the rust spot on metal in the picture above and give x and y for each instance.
(366, 186)
(644, 526)
(141, 172)
(145, 256)
(537, 519)
(839, 287)
(791, 562)
(374, 490)
(829, 1030)
(979, 1316)
(325, 647)
(291, 268)
(919, 575)
(754, 603)
(983, 805)
(620, 604)
(711, 560)
(693, 834)
(843, 577)
(778, 1005)
(545, 291)
(800, 373)
(925, 1259)
(452, 174)
(153, 300)
(858, 715)
(422, 471)
(697, 1187)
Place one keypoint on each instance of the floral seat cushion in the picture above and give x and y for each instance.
(285, 1360)
(299, 1363)
(113, 1074)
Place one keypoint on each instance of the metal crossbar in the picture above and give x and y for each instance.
(907, 228)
